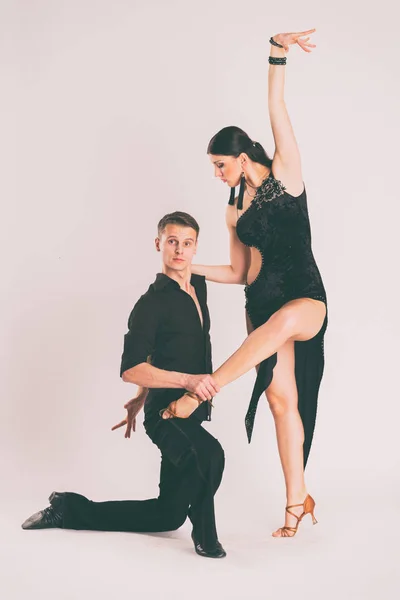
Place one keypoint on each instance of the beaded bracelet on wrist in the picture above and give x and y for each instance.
(274, 43)
(273, 60)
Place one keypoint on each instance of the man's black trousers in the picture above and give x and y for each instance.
(191, 471)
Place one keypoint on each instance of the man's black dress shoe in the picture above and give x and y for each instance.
(47, 518)
(219, 552)
(56, 499)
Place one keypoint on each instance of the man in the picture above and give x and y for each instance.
(166, 349)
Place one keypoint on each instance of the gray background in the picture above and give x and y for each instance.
(106, 111)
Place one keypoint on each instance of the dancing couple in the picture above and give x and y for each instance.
(167, 349)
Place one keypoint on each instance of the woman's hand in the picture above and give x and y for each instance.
(288, 39)
(182, 408)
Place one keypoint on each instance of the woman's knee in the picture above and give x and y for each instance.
(281, 404)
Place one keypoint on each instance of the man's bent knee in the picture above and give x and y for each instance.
(212, 453)
(217, 455)
(174, 522)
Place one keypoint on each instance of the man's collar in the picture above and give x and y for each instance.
(163, 280)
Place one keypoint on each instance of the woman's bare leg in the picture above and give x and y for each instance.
(283, 401)
(297, 320)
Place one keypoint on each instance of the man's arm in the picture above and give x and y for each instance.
(139, 344)
(145, 375)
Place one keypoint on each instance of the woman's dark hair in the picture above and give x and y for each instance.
(232, 141)
(178, 218)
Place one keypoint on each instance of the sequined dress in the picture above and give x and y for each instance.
(277, 224)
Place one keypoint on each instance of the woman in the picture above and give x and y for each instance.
(270, 251)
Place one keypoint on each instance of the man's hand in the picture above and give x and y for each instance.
(202, 385)
(182, 408)
(133, 407)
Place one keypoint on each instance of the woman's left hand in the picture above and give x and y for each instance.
(182, 408)
(288, 39)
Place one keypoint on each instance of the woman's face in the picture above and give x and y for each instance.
(227, 168)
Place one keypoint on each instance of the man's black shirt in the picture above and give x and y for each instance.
(165, 325)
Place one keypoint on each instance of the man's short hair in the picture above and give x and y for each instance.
(178, 218)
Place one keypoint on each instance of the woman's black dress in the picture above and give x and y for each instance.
(277, 224)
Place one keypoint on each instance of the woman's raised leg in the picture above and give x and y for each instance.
(298, 320)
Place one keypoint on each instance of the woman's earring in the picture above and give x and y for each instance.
(241, 192)
(232, 196)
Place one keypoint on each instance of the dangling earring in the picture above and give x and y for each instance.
(241, 192)
(232, 196)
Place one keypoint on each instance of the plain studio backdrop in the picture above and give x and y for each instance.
(107, 109)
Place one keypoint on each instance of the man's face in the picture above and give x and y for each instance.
(178, 245)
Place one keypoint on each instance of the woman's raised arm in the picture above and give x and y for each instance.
(286, 163)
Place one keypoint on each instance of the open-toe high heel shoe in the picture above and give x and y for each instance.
(308, 508)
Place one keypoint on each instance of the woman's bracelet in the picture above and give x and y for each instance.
(274, 43)
(274, 60)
